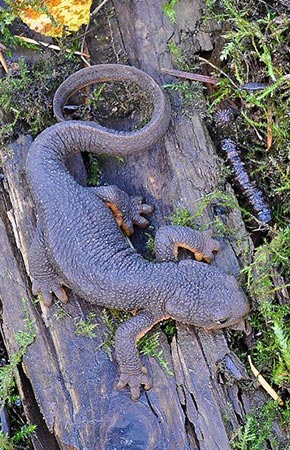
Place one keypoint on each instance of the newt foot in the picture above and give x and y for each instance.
(46, 289)
(137, 209)
(131, 213)
(134, 381)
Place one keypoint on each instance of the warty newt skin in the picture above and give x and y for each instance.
(80, 244)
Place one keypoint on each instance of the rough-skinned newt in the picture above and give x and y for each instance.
(80, 244)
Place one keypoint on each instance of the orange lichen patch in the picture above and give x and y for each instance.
(56, 16)
(199, 256)
(54, 3)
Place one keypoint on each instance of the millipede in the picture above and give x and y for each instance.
(253, 195)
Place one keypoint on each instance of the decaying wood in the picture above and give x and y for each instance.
(68, 379)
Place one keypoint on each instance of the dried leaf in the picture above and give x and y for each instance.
(269, 130)
(3, 62)
(264, 383)
(56, 16)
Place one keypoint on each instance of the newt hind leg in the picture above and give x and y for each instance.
(44, 277)
(132, 373)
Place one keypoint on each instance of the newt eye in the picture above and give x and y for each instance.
(222, 321)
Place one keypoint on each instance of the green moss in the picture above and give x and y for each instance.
(19, 441)
(182, 217)
(271, 352)
(20, 433)
(150, 245)
(255, 49)
(169, 10)
(174, 50)
(257, 433)
(169, 328)
(95, 171)
(149, 345)
(23, 338)
(61, 313)
(112, 318)
(216, 198)
(26, 97)
(86, 327)
(5, 442)
(191, 97)
(6, 19)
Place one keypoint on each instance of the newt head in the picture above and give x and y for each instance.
(207, 298)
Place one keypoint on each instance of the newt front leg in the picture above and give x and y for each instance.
(128, 210)
(169, 239)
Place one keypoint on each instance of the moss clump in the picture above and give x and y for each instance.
(150, 246)
(95, 171)
(182, 217)
(218, 201)
(8, 392)
(169, 10)
(255, 43)
(257, 432)
(26, 95)
(87, 326)
(271, 347)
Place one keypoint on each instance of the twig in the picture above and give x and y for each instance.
(83, 45)
(2, 59)
(191, 76)
(50, 46)
(97, 9)
(220, 70)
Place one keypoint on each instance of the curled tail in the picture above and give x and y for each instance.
(47, 155)
(126, 143)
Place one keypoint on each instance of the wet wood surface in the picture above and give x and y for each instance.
(67, 381)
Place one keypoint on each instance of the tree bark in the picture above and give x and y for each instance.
(67, 381)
